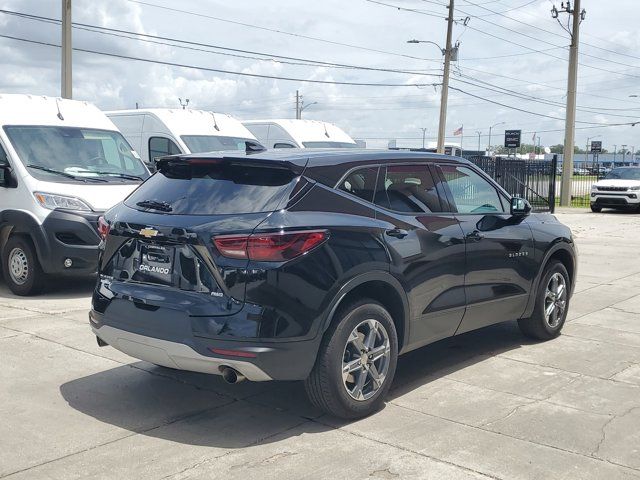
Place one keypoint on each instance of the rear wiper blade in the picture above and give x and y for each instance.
(119, 175)
(155, 205)
(64, 174)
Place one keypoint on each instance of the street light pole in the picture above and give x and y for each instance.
(479, 134)
(424, 134)
(442, 125)
(491, 128)
(577, 15)
(66, 84)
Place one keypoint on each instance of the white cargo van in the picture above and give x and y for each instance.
(62, 163)
(299, 134)
(156, 132)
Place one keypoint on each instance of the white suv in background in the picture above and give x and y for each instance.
(619, 189)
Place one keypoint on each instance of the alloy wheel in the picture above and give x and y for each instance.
(365, 361)
(555, 300)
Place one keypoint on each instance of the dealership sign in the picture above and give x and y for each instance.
(512, 138)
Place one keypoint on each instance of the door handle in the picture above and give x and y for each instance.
(397, 233)
(474, 236)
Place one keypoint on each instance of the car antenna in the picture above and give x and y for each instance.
(59, 113)
(326, 134)
(215, 124)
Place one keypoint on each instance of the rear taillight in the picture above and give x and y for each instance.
(270, 247)
(103, 228)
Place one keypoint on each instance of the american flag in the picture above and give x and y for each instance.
(457, 131)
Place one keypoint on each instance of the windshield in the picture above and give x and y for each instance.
(329, 145)
(623, 174)
(76, 154)
(213, 143)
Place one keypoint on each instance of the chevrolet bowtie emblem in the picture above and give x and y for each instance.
(148, 232)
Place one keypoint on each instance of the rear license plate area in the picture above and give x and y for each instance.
(155, 262)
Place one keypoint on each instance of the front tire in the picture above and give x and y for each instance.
(595, 209)
(552, 304)
(356, 362)
(22, 270)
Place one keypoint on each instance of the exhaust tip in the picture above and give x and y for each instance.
(231, 375)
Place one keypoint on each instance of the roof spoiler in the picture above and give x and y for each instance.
(253, 147)
(170, 162)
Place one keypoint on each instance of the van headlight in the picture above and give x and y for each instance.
(53, 201)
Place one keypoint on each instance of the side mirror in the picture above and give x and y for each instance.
(7, 177)
(520, 207)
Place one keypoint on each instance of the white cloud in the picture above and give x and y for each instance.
(377, 113)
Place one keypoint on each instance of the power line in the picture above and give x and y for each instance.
(217, 70)
(511, 107)
(192, 46)
(274, 30)
(550, 32)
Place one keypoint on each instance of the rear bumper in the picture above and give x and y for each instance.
(269, 360)
(173, 355)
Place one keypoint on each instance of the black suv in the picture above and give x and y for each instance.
(322, 266)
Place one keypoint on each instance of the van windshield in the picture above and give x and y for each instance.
(213, 143)
(76, 154)
(329, 145)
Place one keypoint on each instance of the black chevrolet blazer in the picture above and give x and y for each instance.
(322, 266)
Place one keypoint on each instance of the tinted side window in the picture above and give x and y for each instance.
(471, 192)
(160, 147)
(361, 183)
(408, 188)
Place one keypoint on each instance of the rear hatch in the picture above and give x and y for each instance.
(160, 252)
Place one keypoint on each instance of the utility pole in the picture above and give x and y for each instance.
(298, 101)
(572, 81)
(442, 126)
(66, 85)
(615, 151)
(424, 134)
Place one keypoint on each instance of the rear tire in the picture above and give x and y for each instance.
(356, 362)
(596, 209)
(552, 304)
(22, 270)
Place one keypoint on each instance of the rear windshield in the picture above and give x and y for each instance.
(213, 189)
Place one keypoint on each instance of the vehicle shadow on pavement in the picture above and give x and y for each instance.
(198, 409)
(56, 288)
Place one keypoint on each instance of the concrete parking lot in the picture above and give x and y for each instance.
(489, 404)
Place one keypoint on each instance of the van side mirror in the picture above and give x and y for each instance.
(520, 207)
(7, 177)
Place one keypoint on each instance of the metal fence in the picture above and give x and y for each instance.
(534, 180)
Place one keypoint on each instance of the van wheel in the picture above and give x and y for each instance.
(22, 271)
(552, 304)
(356, 362)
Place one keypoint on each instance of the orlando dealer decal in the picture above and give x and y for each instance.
(152, 269)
